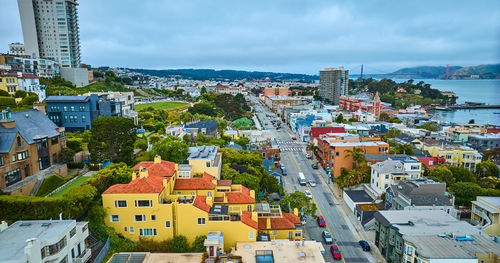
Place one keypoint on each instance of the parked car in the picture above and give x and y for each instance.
(282, 166)
(364, 245)
(308, 193)
(321, 221)
(334, 249)
(284, 172)
(312, 183)
(314, 166)
(327, 237)
(308, 156)
(294, 138)
(303, 221)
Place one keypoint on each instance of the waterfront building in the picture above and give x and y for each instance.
(485, 213)
(333, 83)
(39, 21)
(29, 142)
(38, 241)
(159, 204)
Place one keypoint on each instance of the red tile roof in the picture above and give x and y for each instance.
(203, 183)
(287, 221)
(224, 182)
(28, 76)
(292, 218)
(317, 131)
(246, 218)
(150, 184)
(242, 197)
(201, 203)
(163, 168)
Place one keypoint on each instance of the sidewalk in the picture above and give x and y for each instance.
(351, 221)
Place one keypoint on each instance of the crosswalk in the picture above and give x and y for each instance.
(290, 146)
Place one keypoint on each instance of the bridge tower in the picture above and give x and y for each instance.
(361, 71)
(447, 70)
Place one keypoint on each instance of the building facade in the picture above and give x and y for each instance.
(29, 142)
(333, 83)
(455, 155)
(394, 170)
(40, 20)
(8, 82)
(16, 49)
(31, 83)
(486, 214)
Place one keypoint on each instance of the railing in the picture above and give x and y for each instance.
(102, 254)
(483, 216)
(84, 257)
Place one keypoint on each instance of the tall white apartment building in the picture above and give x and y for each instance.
(333, 83)
(50, 30)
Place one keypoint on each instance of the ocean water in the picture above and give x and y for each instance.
(483, 90)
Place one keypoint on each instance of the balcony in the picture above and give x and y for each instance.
(178, 199)
(83, 257)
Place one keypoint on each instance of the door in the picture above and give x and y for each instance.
(79, 250)
(211, 249)
(290, 235)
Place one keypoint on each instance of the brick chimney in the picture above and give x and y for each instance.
(39, 106)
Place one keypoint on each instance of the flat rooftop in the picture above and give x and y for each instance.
(146, 257)
(358, 196)
(357, 144)
(491, 200)
(282, 251)
(202, 152)
(13, 238)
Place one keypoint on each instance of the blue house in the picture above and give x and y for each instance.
(76, 113)
(208, 128)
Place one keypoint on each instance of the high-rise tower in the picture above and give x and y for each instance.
(50, 30)
(333, 83)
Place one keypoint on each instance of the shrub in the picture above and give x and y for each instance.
(74, 144)
(179, 244)
(29, 100)
(198, 244)
(16, 208)
(7, 102)
(76, 165)
(49, 184)
(20, 93)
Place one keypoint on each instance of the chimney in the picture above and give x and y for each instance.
(165, 183)
(6, 119)
(134, 176)
(39, 106)
(143, 172)
(255, 216)
(157, 159)
(296, 211)
(252, 194)
(209, 201)
(268, 223)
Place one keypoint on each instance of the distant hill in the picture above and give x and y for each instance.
(455, 72)
(203, 74)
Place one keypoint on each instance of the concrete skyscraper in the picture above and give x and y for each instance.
(50, 30)
(333, 83)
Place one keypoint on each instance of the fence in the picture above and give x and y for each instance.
(62, 186)
(102, 253)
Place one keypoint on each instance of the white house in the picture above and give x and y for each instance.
(31, 83)
(393, 170)
(38, 241)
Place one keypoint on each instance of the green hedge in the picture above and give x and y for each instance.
(74, 144)
(49, 184)
(7, 102)
(16, 208)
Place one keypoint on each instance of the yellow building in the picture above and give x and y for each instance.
(455, 155)
(486, 213)
(158, 204)
(205, 159)
(274, 102)
(8, 82)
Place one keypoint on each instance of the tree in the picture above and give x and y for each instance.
(20, 93)
(394, 119)
(490, 182)
(352, 120)
(404, 149)
(443, 174)
(141, 144)
(339, 119)
(4, 93)
(465, 192)
(357, 155)
(393, 133)
(242, 141)
(67, 155)
(430, 126)
(115, 173)
(462, 174)
(203, 90)
(487, 169)
(300, 201)
(171, 149)
(198, 244)
(492, 154)
(179, 244)
(202, 108)
(112, 139)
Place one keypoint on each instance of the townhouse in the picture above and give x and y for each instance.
(394, 170)
(455, 154)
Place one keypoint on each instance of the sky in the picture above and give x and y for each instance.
(280, 35)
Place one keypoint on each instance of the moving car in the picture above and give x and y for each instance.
(294, 138)
(308, 193)
(282, 166)
(321, 221)
(284, 172)
(312, 183)
(364, 245)
(314, 166)
(334, 249)
(327, 237)
(308, 156)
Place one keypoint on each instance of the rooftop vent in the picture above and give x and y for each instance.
(25, 224)
(46, 224)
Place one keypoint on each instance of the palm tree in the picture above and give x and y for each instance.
(357, 155)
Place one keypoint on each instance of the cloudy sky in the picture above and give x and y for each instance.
(281, 36)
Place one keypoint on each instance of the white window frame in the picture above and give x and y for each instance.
(131, 229)
(143, 218)
(251, 235)
(117, 203)
(168, 224)
(136, 203)
(111, 218)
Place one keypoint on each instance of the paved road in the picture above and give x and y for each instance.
(293, 156)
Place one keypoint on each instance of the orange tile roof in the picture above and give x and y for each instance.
(150, 184)
(224, 182)
(246, 218)
(242, 197)
(203, 183)
(163, 168)
(292, 218)
(287, 221)
(201, 203)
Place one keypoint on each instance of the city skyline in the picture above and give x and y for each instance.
(281, 37)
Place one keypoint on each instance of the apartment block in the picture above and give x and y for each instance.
(486, 214)
(333, 83)
(38, 241)
(394, 170)
(31, 83)
(455, 154)
(29, 142)
(275, 102)
(203, 159)
(276, 91)
(158, 204)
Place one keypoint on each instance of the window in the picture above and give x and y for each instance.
(13, 176)
(179, 193)
(192, 193)
(415, 167)
(208, 164)
(275, 232)
(386, 176)
(139, 218)
(147, 231)
(55, 140)
(167, 224)
(72, 108)
(201, 221)
(131, 229)
(250, 235)
(409, 250)
(125, 229)
(153, 217)
(22, 155)
(72, 232)
(120, 203)
(249, 208)
(19, 144)
(114, 218)
(298, 234)
(1, 161)
(143, 203)
(84, 119)
(65, 108)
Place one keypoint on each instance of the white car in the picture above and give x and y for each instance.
(308, 193)
(312, 183)
(308, 156)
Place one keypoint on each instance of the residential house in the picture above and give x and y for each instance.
(31, 83)
(486, 214)
(158, 204)
(222, 89)
(127, 100)
(38, 241)
(355, 197)
(8, 82)
(208, 128)
(431, 236)
(484, 142)
(317, 131)
(455, 154)
(29, 142)
(393, 170)
(205, 158)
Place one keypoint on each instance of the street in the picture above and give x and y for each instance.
(293, 156)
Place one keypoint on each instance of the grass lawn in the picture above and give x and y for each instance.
(161, 105)
(75, 183)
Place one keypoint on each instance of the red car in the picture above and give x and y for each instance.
(293, 138)
(335, 252)
(321, 221)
